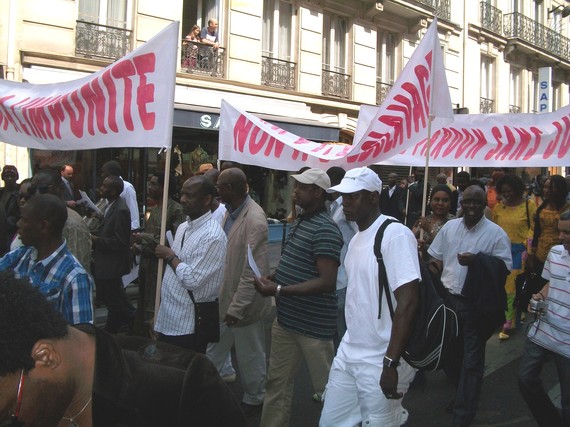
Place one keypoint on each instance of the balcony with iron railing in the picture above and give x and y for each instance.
(491, 18)
(278, 73)
(335, 84)
(442, 7)
(486, 105)
(200, 58)
(516, 25)
(382, 90)
(514, 109)
(101, 41)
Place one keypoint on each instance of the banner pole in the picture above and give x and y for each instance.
(162, 229)
(426, 171)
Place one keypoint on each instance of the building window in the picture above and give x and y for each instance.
(103, 29)
(336, 81)
(277, 29)
(105, 12)
(335, 35)
(487, 85)
(515, 91)
(386, 63)
(198, 12)
(277, 66)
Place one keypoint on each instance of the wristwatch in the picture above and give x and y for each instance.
(277, 291)
(389, 363)
(169, 259)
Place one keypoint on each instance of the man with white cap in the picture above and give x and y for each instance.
(304, 289)
(368, 378)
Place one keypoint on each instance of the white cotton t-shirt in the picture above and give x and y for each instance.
(367, 337)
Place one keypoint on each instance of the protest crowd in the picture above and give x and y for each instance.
(497, 253)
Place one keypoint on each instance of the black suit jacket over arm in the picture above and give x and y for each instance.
(111, 251)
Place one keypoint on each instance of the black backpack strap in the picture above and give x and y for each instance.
(382, 277)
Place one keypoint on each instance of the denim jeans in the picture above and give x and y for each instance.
(530, 385)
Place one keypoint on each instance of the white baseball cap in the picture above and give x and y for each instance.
(358, 179)
(314, 176)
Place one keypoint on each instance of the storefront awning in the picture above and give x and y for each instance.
(209, 119)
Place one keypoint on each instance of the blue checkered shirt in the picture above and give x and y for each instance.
(60, 277)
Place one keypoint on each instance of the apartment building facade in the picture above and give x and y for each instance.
(305, 65)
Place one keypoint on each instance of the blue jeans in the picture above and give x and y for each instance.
(530, 385)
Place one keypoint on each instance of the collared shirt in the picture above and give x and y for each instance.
(129, 195)
(552, 329)
(59, 277)
(200, 245)
(455, 238)
(348, 229)
(220, 213)
(232, 215)
(391, 190)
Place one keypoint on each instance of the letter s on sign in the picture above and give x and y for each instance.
(206, 121)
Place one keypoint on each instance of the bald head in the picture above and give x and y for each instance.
(232, 186)
(473, 205)
(235, 178)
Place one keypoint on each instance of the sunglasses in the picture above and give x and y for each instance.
(13, 421)
(43, 189)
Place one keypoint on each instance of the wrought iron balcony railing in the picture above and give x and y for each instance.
(516, 25)
(514, 109)
(491, 18)
(199, 58)
(486, 106)
(278, 72)
(335, 84)
(382, 90)
(101, 41)
(442, 7)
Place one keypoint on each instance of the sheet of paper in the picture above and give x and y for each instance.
(169, 238)
(252, 263)
(85, 199)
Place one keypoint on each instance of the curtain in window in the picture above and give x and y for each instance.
(89, 10)
(117, 13)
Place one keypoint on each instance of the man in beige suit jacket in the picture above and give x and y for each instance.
(242, 309)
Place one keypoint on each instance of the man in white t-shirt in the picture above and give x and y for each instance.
(368, 379)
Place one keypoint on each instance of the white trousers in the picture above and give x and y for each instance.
(353, 395)
(249, 344)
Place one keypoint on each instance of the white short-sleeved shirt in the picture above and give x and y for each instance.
(455, 238)
(367, 337)
(129, 195)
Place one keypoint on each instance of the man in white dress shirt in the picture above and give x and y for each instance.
(195, 263)
(456, 247)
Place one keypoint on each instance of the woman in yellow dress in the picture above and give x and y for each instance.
(514, 214)
(546, 219)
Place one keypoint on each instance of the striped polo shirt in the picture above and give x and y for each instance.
(310, 238)
(552, 330)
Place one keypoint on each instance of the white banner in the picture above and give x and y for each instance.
(488, 140)
(128, 104)
(382, 132)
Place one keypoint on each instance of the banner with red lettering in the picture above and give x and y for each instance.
(130, 103)
(509, 140)
(383, 132)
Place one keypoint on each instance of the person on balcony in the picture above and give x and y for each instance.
(209, 34)
(190, 50)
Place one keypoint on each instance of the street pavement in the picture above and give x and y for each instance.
(500, 405)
